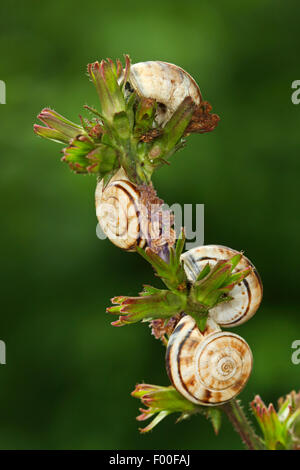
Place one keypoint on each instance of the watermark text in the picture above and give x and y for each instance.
(2, 92)
(296, 354)
(2, 352)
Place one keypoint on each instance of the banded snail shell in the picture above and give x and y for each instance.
(167, 83)
(117, 210)
(247, 295)
(207, 368)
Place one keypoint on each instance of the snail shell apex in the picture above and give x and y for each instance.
(247, 295)
(167, 83)
(207, 368)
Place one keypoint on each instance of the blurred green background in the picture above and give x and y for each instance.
(69, 374)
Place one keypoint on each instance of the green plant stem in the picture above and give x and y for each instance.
(241, 424)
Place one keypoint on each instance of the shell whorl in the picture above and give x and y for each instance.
(167, 83)
(247, 295)
(207, 368)
(117, 210)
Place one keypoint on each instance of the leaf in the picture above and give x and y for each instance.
(110, 94)
(179, 246)
(171, 273)
(212, 284)
(144, 115)
(201, 321)
(204, 272)
(121, 125)
(214, 414)
(148, 290)
(173, 130)
(84, 156)
(237, 277)
(58, 128)
(159, 304)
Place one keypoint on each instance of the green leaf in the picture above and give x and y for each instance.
(121, 125)
(212, 284)
(173, 131)
(110, 94)
(204, 272)
(58, 127)
(199, 317)
(50, 134)
(160, 304)
(234, 261)
(172, 273)
(148, 290)
(237, 277)
(161, 401)
(214, 414)
(83, 156)
(179, 246)
(144, 115)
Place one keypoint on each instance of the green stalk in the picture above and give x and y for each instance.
(241, 424)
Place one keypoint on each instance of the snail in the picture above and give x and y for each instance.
(247, 295)
(208, 368)
(117, 210)
(132, 215)
(167, 83)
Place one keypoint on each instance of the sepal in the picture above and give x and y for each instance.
(83, 156)
(152, 303)
(280, 428)
(172, 272)
(144, 117)
(161, 401)
(213, 284)
(165, 145)
(58, 128)
(104, 77)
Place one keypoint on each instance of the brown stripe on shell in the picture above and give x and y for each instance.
(186, 337)
(168, 362)
(207, 396)
(119, 186)
(217, 398)
(204, 258)
(186, 361)
(190, 382)
(188, 325)
(258, 278)
(171, 342)
(246, 284)
(237, 386)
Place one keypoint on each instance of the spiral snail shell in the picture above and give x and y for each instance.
(167, 83)
(117, 210)
(207, 368)
(247, 295)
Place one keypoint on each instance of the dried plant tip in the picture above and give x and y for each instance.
(202, 120)
(162, 329)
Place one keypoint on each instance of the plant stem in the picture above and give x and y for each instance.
(241, 424)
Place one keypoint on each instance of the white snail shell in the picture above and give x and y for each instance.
(167, 83)
(247, 295)
(207, 368)
(117, 210)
